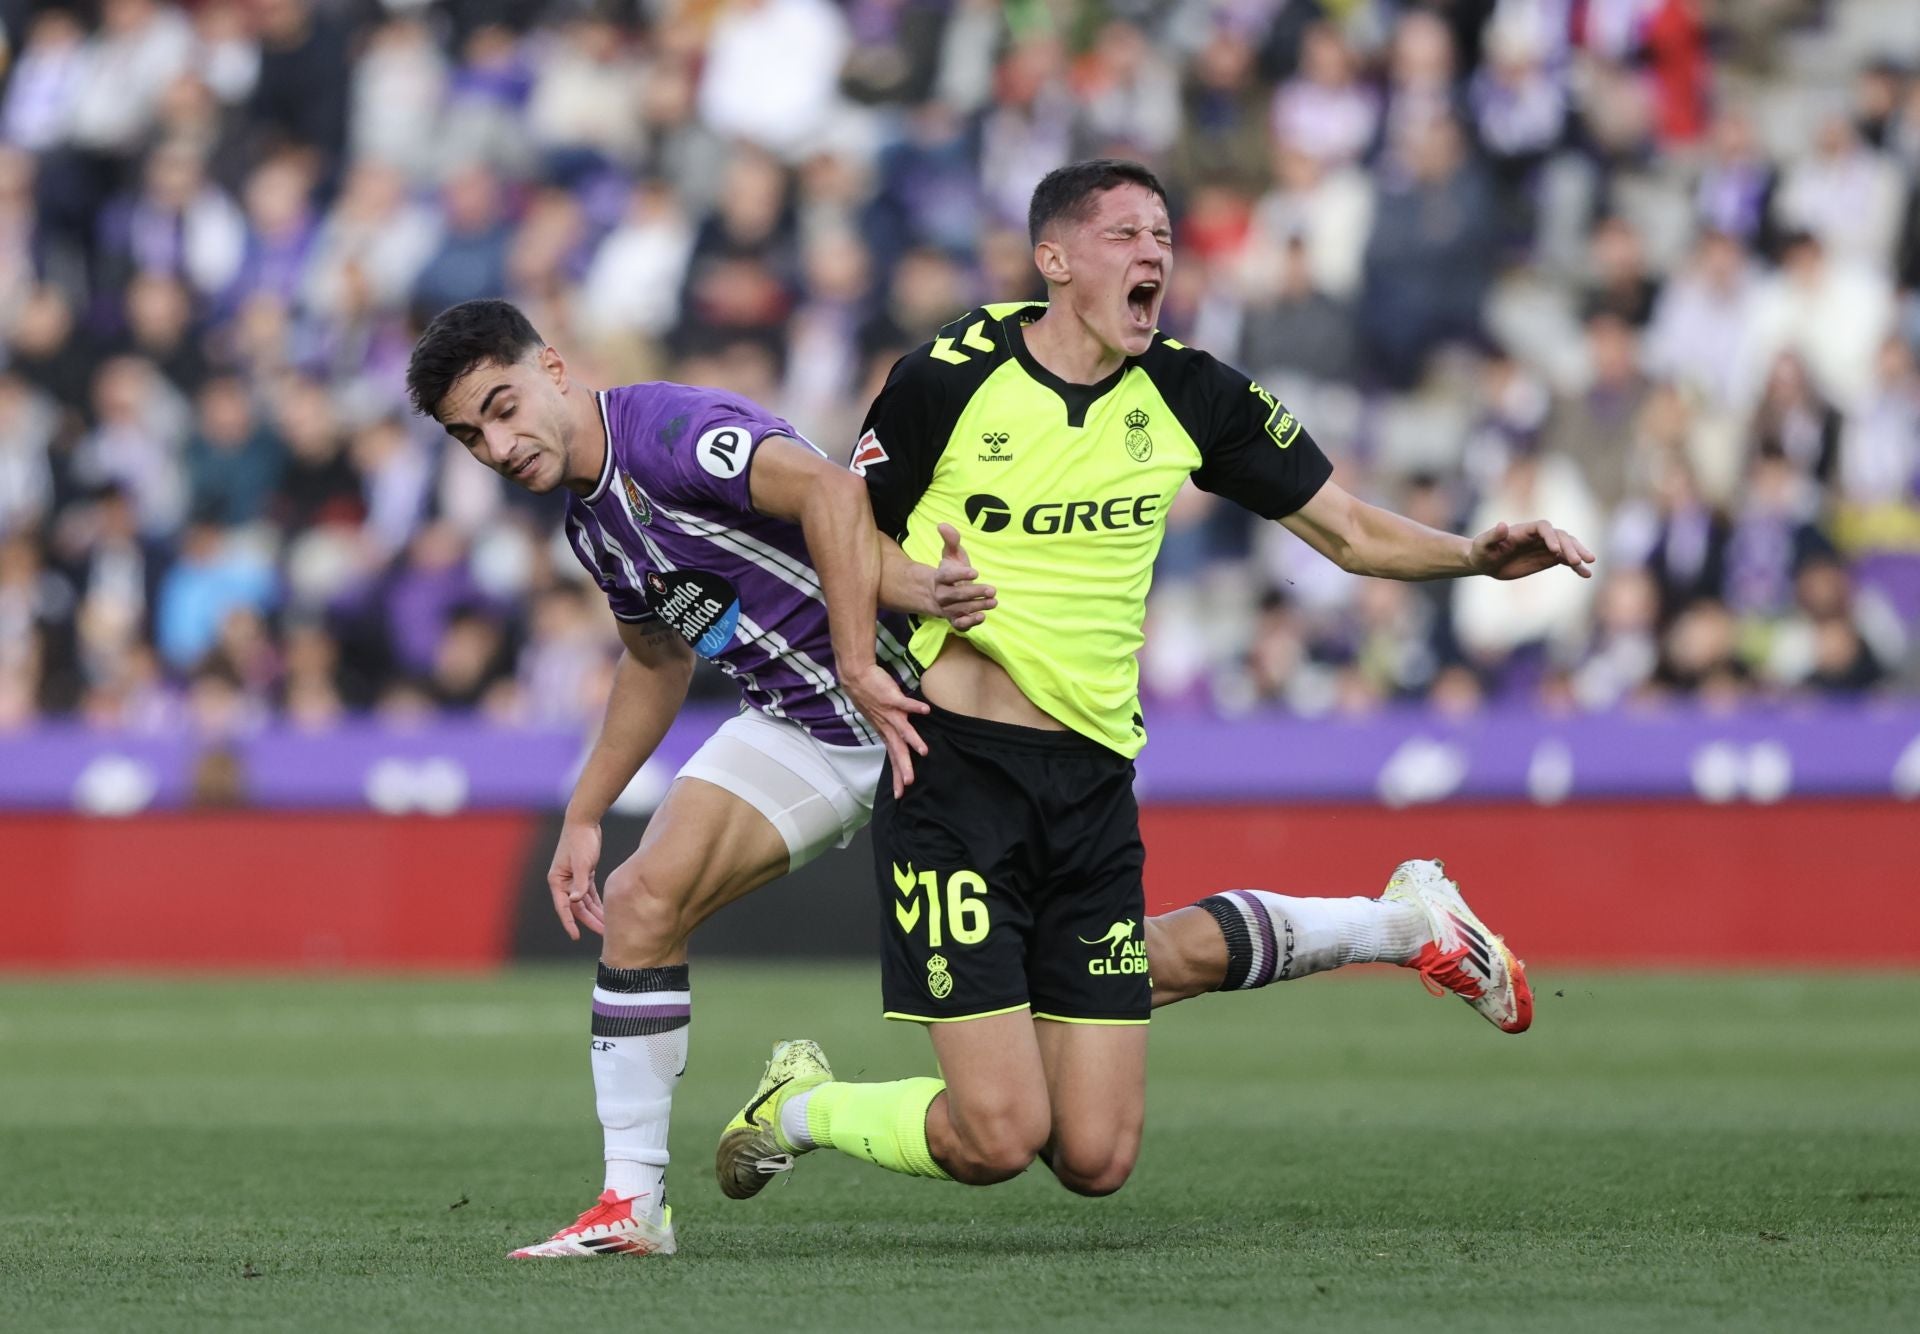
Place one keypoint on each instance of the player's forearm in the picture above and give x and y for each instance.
(640, 707)
(905, 584)
(1391, 546)
(837, 523)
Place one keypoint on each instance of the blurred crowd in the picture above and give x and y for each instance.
(1649, 268)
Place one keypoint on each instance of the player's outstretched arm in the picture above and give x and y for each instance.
(649, 686)
(793, 482)
(1365, 539)
(949, 591)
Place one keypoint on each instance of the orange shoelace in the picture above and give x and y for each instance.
(1440, 972)
(610, 1208)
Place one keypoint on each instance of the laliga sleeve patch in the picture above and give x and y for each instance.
(723, 450)
(867, 453)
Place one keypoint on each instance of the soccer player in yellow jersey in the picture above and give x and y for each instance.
(1050, 438)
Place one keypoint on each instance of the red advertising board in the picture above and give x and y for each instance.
(1642, 884)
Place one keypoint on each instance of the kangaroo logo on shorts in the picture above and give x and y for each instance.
(1124, 953)
(939, 980)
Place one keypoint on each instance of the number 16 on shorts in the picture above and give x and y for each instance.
(954, 911)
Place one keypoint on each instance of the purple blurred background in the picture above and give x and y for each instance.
(1650, 268)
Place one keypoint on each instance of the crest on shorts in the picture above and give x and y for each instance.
(1139, 443)
(939, 980)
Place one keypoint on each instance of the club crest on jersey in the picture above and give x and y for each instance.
(702, 607)
(996, 447)
(639, 508)
(1139, 443)
(867, 453)
(939, 980)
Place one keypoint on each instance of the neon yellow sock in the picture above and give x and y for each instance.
(885, 1124)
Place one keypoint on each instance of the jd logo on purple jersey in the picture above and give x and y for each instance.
(702, 607)
(723, 450)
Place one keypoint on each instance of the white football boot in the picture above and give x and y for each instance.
(611, 1227)
(1463, 957)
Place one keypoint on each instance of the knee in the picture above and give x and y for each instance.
(644, 916)
(998, 1141)
(1087, 1167)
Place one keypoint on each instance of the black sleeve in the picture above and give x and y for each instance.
(1252, 450)
(902, 439)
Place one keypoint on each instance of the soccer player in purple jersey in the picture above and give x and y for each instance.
(714, 529)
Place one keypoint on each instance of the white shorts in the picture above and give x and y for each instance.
(818, 796)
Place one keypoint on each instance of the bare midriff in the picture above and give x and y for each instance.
(965, 680)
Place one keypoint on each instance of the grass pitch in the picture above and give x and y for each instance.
(1340, 1154)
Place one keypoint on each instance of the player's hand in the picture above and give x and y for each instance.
(956, 595)
(890, 709)
(1515, 551)
(576, 899)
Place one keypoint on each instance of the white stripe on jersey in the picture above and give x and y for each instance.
(823, 680)
(791, 571)
(620, 552)
(743, 630)
(585, 545)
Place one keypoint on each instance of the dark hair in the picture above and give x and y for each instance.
(462, 337)
(1068, 192)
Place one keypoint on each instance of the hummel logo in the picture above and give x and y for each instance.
(996, 442)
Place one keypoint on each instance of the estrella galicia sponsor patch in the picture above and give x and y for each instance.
(703, 607)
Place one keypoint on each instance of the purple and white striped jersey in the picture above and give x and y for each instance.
(670, 534)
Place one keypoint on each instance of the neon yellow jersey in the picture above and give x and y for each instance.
(1060, 492)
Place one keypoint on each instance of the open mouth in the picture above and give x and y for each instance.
(1141, 298)
(519, 471)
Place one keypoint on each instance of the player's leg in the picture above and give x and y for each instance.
(1097, 1088)
(758, 798)
(994, 1115)
(951, 859)
(1087, 969)
(703, 849)
(1248, 938)
(982, 1123)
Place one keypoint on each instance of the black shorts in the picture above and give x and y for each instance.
(1010, 877)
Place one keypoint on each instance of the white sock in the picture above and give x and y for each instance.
(1276, 938)
(640, 1018)
(793, 1122)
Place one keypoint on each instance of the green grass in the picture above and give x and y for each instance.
(1344, 1154)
